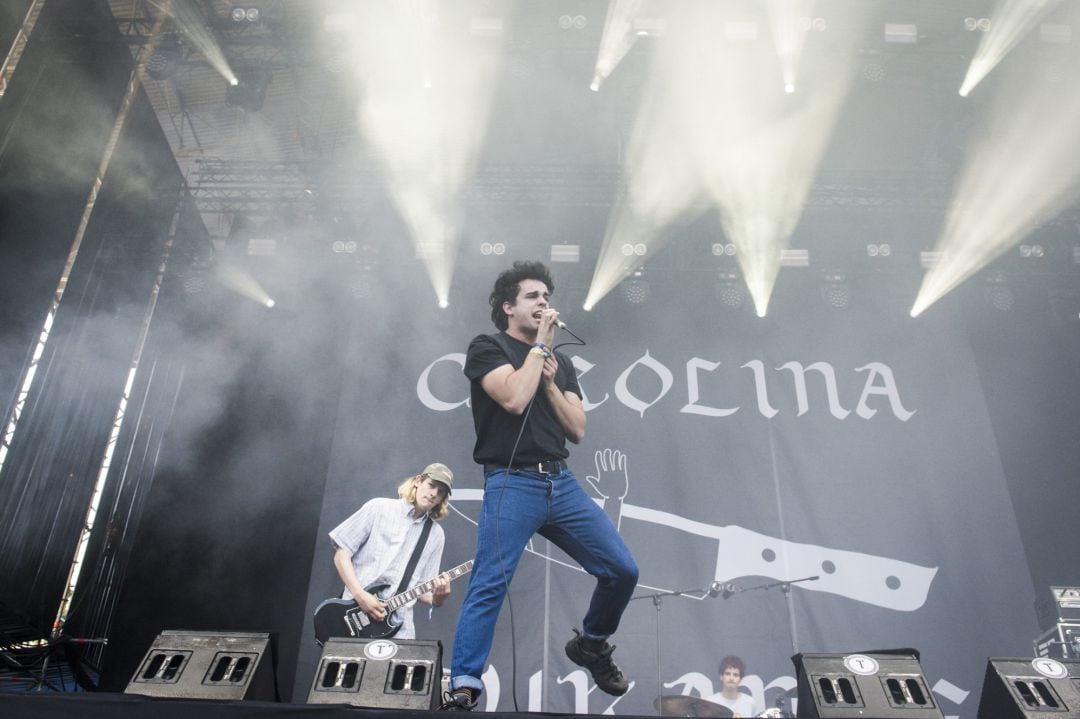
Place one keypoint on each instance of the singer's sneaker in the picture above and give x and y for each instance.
(461, 699)
(605, 672)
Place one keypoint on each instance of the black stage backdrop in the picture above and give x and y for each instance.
(854, 446)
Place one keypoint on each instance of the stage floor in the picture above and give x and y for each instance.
(130, 706)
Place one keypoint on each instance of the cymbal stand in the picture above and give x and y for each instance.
(658, 602)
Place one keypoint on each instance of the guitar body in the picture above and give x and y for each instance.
(344, 618)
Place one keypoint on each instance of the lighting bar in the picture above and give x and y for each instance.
(652, 26)
(486, 27)
(566, 253)
(902, 33)
(929, 259)
(745, 31)
(794, 258)
(262, 247)
(1055, 33)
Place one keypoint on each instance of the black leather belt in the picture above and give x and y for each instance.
(551, 466)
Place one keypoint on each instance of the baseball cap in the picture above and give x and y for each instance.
(440, 473)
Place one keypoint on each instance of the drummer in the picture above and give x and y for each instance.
(732, 670)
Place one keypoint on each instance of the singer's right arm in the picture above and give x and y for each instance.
(511, 388)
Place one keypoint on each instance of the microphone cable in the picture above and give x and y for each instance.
(498, 514)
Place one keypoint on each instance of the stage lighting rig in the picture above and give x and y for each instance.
(249, 91)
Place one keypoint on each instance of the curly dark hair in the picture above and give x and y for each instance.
(734, 662)
(507, 286)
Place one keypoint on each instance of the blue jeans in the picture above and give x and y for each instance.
(556, 507)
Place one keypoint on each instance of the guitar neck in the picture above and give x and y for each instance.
(400, 600)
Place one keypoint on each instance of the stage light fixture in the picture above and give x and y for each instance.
(486, 27)
(1055, 33)
(1032, 251)
(249, 90)
(883, 249)
(573, 22)
(165, 60)
(744, 31)
(635, 288)
(730, 290)
(262, 246)
(649, 26)
(835, 290)
(873, 71)
(901, 33)
(193, 280)
(721, 249)
(998, 293)
(242, 14)
(367, 257)
(928, 259)
(794, 258)
(566, 253)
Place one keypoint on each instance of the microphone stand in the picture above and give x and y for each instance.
(658, 602)
(785, 587)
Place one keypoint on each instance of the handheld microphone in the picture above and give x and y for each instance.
(560, 324)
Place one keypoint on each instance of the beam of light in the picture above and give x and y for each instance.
(22, 36)
(716, 127)
(189, 20)
(617, 39)
(239, 280)
(662, 185)
(133, 86)
(1020, 172)
(130, 93)
(1010, 22)
(789, 20)
(425, 112)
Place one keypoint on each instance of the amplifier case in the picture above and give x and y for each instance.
(402, 674)
(206, 665)
(1061, 641)
(1058, 605)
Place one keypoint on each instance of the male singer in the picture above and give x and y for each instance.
(526, 403)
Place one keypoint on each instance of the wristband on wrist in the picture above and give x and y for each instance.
(542, 348)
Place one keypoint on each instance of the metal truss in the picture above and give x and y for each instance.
(260, 187)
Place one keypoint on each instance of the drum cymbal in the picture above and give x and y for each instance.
(684, 706)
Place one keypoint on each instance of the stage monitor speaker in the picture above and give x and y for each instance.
(207, 665)
(1042, 687)
(386, 673)
(878, 685)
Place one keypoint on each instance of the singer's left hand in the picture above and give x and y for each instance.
(551, 366)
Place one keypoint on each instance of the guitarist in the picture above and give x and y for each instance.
(375, 544)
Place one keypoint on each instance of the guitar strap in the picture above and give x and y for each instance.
(415, 558)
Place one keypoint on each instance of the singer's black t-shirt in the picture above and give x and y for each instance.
(497, 429)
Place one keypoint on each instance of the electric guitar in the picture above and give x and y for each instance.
(344, 618)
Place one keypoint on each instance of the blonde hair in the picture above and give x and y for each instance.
(407, 491)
